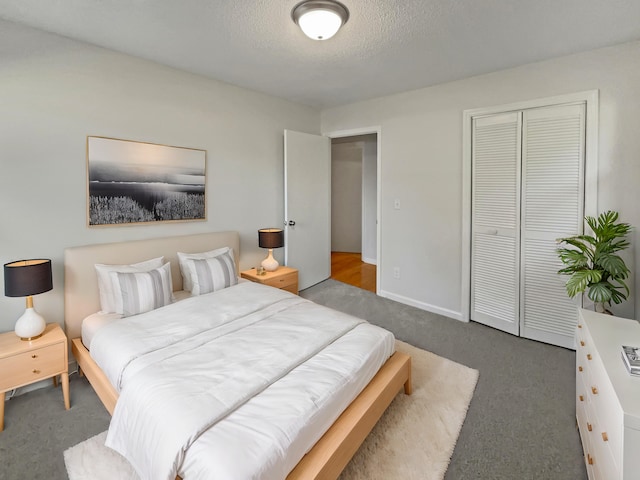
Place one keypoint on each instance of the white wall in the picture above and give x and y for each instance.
(421, 154)
(54, 92)
(346, 197)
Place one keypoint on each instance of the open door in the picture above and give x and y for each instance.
(307, 206)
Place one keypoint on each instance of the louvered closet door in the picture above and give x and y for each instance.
(552, 207)
(495, 237)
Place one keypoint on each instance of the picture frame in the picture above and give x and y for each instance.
(130, 182)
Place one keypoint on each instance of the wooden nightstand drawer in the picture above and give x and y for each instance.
(284, 278)
(282, 281)
(28, 367)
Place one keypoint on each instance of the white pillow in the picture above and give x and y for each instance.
(105, 285)
(212, 274)
(139, 292)
(187, 282)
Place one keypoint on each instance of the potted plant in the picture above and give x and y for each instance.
(593, 262)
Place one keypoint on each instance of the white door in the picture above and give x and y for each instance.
(307, 206)
(553, 145)
(495, 221)
(527, 191)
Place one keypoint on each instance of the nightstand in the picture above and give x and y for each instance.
(25, 362)
(285, 278)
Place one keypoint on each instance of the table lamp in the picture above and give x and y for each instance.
(25, 278)
(270, 238)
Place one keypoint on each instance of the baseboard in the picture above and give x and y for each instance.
(370, 261)
(422, 306)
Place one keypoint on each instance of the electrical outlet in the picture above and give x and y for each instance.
(396, 272)
(396, 204)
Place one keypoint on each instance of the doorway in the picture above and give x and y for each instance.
(354, 210)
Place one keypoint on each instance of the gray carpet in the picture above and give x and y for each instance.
(520, 425)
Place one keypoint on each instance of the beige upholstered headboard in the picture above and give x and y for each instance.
(81, 297)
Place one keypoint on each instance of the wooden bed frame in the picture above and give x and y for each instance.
(331, 453)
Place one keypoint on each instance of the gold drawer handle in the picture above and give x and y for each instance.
(34, 356)
(589, 426)
(35, 371)
(582, 343)
(605, 438)
(579, 369)
(589, 356)
(589, 459)
(579, 326)
(594, 390)
(581, 398)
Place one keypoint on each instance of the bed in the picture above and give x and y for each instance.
(327, 456)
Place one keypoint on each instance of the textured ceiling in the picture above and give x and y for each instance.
(387, 46)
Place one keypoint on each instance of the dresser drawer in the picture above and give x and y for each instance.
(28, 367)
(608, 412)
(282, 281)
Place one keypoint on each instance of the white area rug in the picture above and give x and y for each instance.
(414, 439)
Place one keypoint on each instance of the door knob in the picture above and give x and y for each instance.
(291, 223)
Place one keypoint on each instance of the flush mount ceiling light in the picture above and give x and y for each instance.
(320, 19)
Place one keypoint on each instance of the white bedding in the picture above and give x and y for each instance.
(95, 321)
(256, 374)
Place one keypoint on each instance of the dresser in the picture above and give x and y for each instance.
(607, 397)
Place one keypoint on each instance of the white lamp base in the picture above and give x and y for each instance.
(270, 264)
(30, 325)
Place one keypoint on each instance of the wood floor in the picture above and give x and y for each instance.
(349, 268)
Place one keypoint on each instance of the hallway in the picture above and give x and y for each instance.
(349, 268)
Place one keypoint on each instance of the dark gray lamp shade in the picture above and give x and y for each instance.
(271, 238)
(27, 277)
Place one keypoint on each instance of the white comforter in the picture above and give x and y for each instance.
(208, 361)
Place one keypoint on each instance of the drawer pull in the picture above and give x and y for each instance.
(582, 343)
(581, 398)
(605, 438)
(594, 390)
(589, 356)
(579, 326)
(34, 356)
(589, 426)
(579, 369)
(589, 459)
(35, 371)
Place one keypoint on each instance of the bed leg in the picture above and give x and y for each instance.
(80, 374)
(408, 388)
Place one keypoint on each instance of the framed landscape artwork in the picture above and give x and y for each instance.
(135, 182)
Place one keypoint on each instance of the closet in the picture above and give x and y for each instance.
(527, 190)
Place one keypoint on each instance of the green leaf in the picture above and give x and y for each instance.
(582, 242)
(614, 265)
(573, 257)
(617, 296)
(600, 292)
(580, 280)
(621, 284)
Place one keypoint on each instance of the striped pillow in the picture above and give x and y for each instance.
(212, 274)
(139, 292)
(105, 284)
(183, 259)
